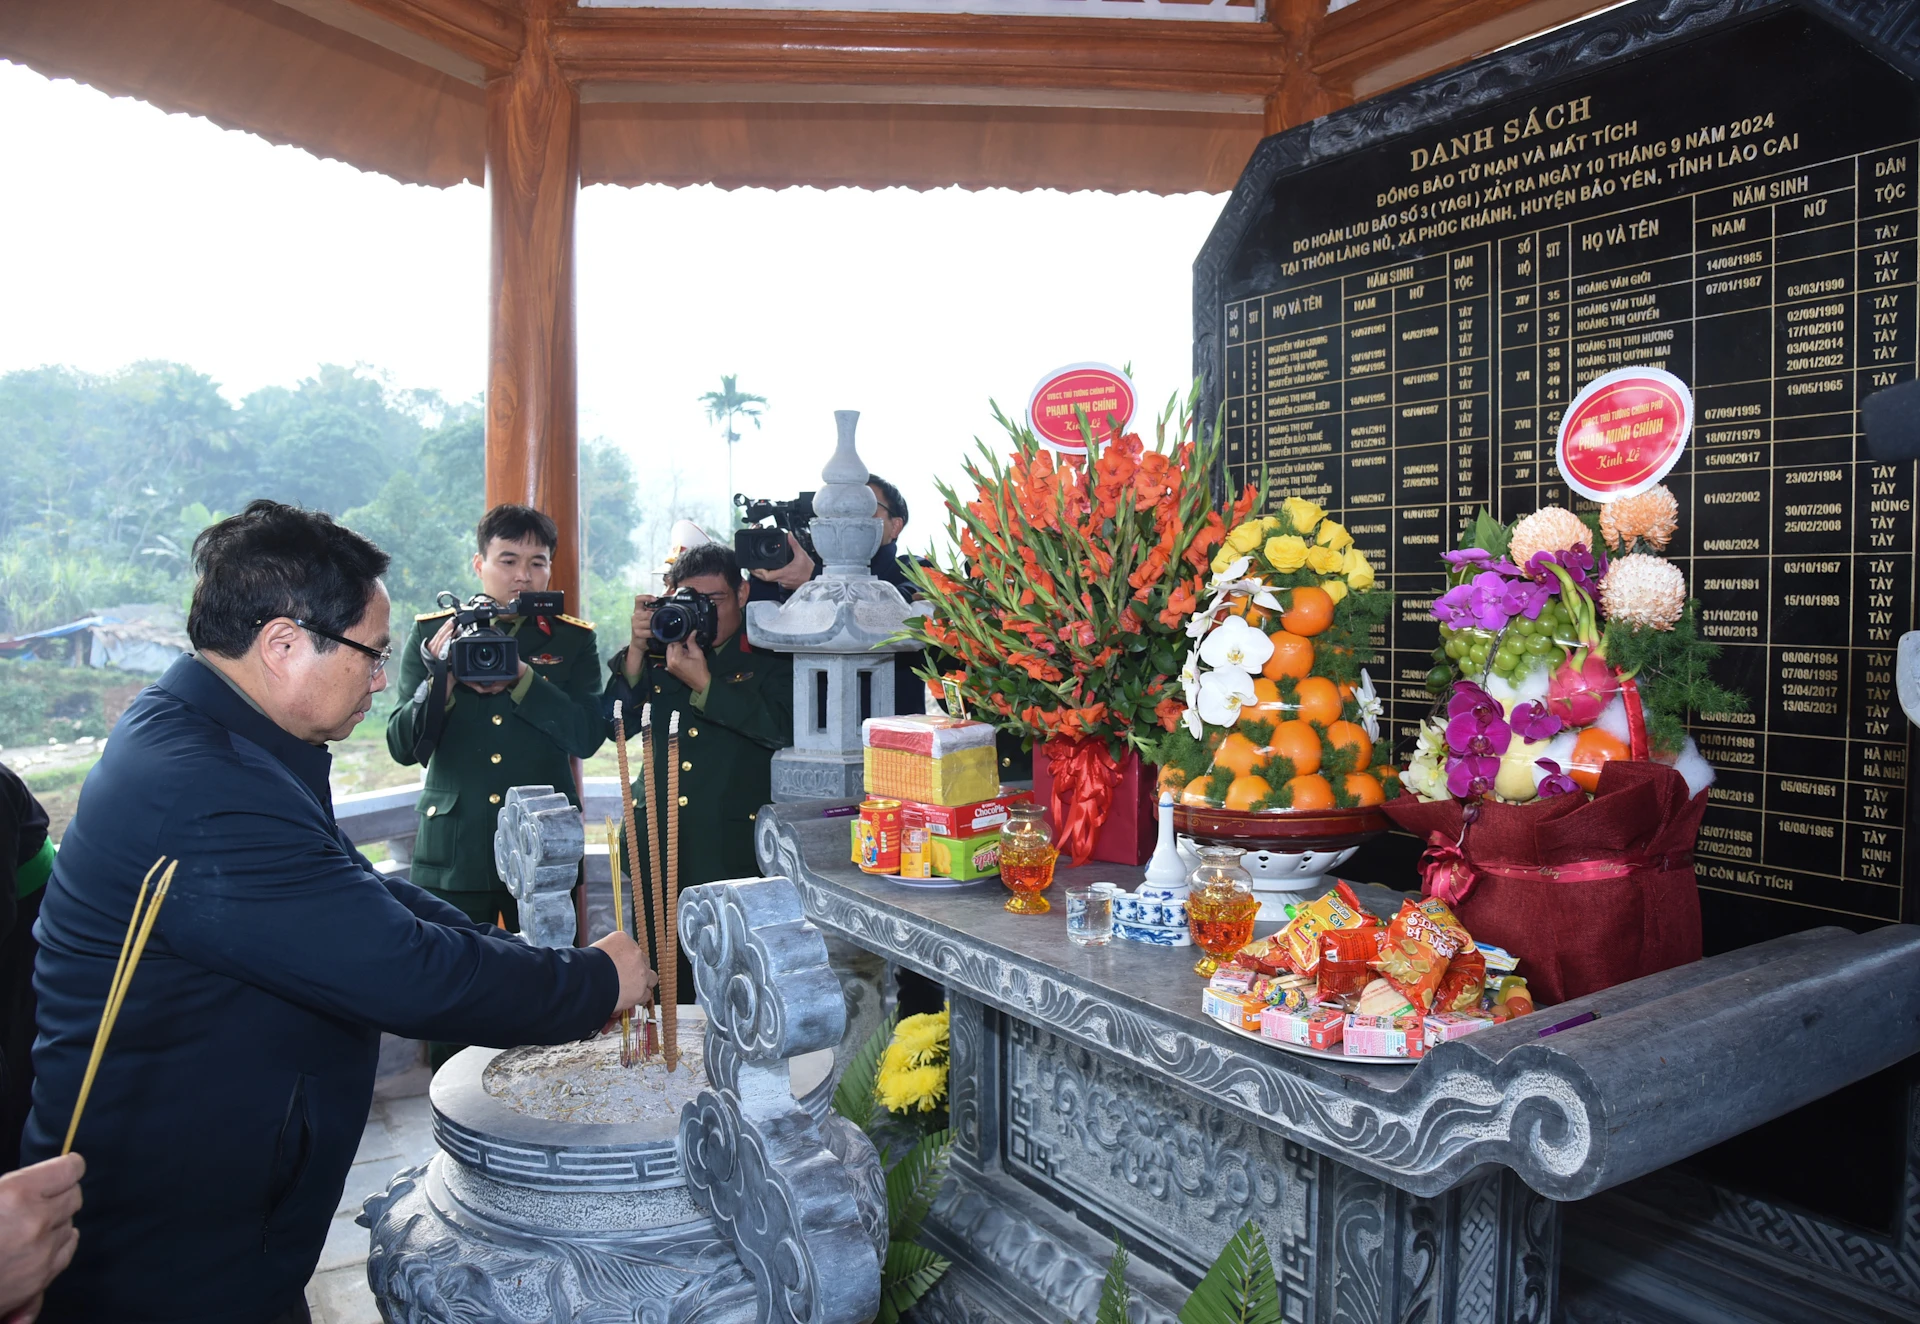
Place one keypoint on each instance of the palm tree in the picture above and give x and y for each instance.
(727, 404)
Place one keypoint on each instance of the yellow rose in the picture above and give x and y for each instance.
(1359, 573)
(1336, 589)
(1286, 553)
(1302, 513)
(1245, 538)
(1333, 534)
(1223, 558)
(1325, 561)
(1271, 523)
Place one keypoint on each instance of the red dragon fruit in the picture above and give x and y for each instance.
(1577, 694)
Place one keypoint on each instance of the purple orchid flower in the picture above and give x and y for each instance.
(1531, 721)
(1577, 561)
(1479, 558)
(1471, 777)
(1480, 604)
(1476, 725)
(1524, 597)
(1555, 782)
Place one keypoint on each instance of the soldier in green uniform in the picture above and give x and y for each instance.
(735, 705)
(522, 733)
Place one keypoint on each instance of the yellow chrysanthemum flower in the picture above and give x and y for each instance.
(921, 1036)
(1359, 573)
(911, 1089)
(1302, 514)
(1325, 561)
(1286, 554)
(1245, 537)
(1334, 534)
(1336, 589)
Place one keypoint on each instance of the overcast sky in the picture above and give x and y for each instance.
(134, 234)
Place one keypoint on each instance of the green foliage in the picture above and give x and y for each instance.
(912, 1182)
(1218, 784)
(1240, 1287)
(1673, 669)
(909, 1273)
(1345, 646)
(853, 1096)
(1488, 534)
(1114, 1296)
(51, 700)
(1256, 729)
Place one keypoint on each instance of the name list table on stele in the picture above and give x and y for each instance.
(1407, 396)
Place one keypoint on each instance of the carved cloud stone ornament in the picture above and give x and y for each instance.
(538, 841)
(803, 1202)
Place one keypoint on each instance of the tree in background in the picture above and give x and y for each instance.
(727, 404)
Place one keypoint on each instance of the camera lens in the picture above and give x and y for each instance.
(672, 622)
(484, 657)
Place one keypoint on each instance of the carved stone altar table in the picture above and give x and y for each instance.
(1091, 1099)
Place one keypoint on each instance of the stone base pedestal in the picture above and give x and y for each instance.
(815, 774)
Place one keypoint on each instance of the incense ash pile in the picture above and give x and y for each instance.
(584, 1082)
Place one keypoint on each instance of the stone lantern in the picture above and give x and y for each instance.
(838, 627)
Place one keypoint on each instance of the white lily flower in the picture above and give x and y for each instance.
(1237, 645)
(1371, 708)
(1223, 694)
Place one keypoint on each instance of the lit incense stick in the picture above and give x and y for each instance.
(666, 952)
(626, 812)
(620, 923)
(131, 948)
(670, 1004)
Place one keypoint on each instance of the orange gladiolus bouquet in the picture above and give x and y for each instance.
(1063, 618)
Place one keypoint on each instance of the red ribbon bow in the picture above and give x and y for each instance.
(1084, 777)
(1445, 871)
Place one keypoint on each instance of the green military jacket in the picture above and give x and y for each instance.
(727, 741)
(494, 741)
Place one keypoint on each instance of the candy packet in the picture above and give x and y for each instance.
(1414, 954)
(1466, 979)
(1346, 957)
(1338, 909)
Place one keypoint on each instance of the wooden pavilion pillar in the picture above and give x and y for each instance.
(533, 178)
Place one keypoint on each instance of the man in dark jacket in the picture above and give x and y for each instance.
(233, 1092)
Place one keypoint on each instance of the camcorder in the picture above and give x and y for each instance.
(686, 614)
(482, 653)
(767, 548)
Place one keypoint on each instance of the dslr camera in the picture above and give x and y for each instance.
(482, 653)
(686, 614)
(767, 548)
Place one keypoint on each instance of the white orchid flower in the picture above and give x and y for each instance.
(1195, 727)
(1231, 575)
(1235, 644)
(1190, 677)
(1258, 591)
(1371, 708)
(1199, 623)
(1223, 694)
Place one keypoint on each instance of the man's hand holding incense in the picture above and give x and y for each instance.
(37, 1236)
(637, 980)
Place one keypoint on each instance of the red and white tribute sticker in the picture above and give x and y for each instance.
(1624, 432)
(1101, 392)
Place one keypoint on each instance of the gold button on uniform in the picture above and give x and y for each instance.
(493, 799)
(656, 689)
(693, 730)
(686, 767)
(752, 817)
(432, 810)
(1005, 763)
(497, 719)
(683, 802)
(496, 758)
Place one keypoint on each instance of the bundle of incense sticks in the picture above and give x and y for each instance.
(633, 858)
(665, 942)
(139, 926)
(670, 1001)
(619, 922)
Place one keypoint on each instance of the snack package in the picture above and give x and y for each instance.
(1507, 997)
(1240, 1010)
(914, 860)
(1499, 960)
(1345, 961)
(1338, 909)
(1293, 992)
(1445, 1026)
(1231, 979)
(1314, 1027)
(1386, 1036)
(1381, 998)
(1414, 954)
(1266, 955)
(1466, 979)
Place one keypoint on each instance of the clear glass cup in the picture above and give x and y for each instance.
(1027, 854)
(1090, 916)
(1221, 906)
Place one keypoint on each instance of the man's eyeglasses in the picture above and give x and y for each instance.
(380, 656)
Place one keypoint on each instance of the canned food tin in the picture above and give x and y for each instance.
(880, 838)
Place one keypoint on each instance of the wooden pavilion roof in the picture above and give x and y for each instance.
(771, 97)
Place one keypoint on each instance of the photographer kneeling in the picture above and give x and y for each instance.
(480, 738)
(689, 655)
